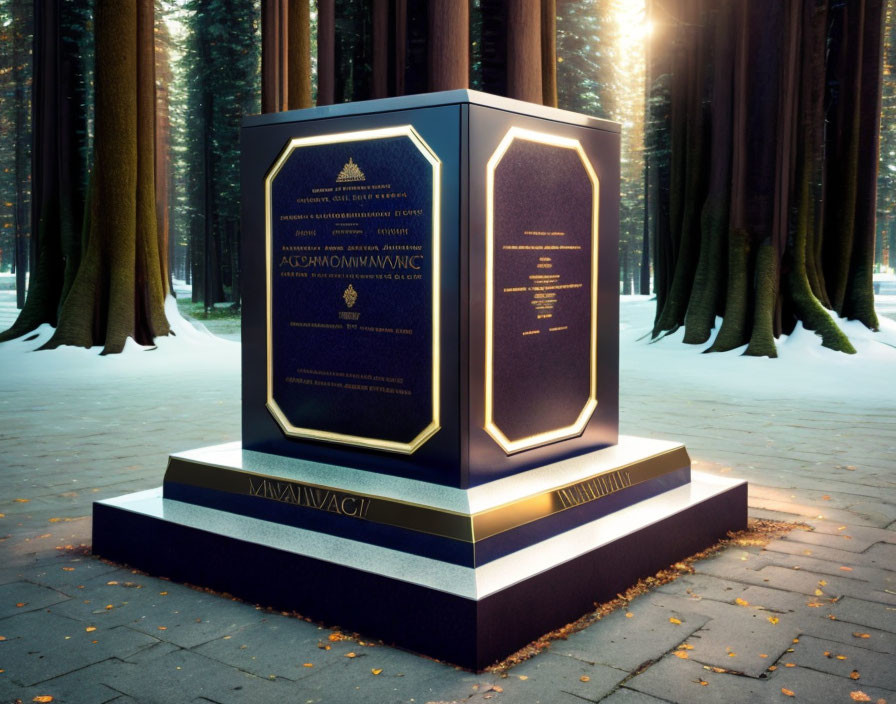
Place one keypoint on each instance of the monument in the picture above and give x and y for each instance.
(430, 451)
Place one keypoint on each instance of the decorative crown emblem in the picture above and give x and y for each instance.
(350, 296)
(350, 172)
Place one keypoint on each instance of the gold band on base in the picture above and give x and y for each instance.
(469, 528)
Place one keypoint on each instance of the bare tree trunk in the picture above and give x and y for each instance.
(524, 50)
(859, 297)
(379, 80)
(299, 55)
(117, 292)
(449, 42)
(549, 52)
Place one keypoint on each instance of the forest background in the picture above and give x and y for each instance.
(207, 74)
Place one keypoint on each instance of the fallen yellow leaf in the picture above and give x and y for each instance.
(841, 657)
(772, 668)
(43, 698)
(112, 583)
(859, 696)
(523, 677)
(685, 646)
(787, 692)
(21, 604)
(90, 629)
(163, 593)
(846, 569)
(681, 654)
(163, 628)
(109, 607)
(584, 678)
(68, 569)
(741, 602)
(629, 614)
(22, 501)
(861, 635)
(2, 637)
(335, 636)
(674, 620)
(789, 664)
(822, 583)
(763, 655)
(351, 655)
(308, 664)
(376, 670)
(773, 620)
(702, 682)
(854, 675)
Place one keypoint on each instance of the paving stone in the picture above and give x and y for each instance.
(41, 645)
(676, 680)
(280, 646)
(882, 554)
(79, 687)
(19, 597)
(552, 674)
(400, 679)
(185, 677)
(735, 637)
(849, 633)
(812, 686)
(624, 695)
(865, 613)
(847, 540)
(810, 583)
(182, 616)
(842, 660)
(627, 642)
(871, 565)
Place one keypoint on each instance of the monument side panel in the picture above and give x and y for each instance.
(543, 326)
(350, 235)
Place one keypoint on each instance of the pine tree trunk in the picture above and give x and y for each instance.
(524, 50)
(449, 41)
(117, 292)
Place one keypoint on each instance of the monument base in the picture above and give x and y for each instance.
(469, 614)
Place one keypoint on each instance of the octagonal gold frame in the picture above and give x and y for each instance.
(432, 426)
(552, 435)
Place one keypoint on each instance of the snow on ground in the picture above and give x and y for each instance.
(803, 367)
(188, 350)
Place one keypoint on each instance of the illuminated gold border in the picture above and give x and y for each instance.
(510, 446)
(325, 435)
(441, 522)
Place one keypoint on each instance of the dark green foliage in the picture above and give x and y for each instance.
(220, 66)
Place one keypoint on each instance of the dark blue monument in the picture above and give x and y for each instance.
(430, 450)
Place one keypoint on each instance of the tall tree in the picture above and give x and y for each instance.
(118, 291)
(59, 160)
(793, 117)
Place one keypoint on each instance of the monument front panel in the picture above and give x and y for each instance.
(353, 261)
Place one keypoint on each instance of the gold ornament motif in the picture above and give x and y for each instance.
(350, 172)
(350, 296)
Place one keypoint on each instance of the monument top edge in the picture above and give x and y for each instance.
(428, 100)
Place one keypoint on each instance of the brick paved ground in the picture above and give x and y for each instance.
(782, 618)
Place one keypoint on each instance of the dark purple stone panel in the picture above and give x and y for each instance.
(543, 203)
